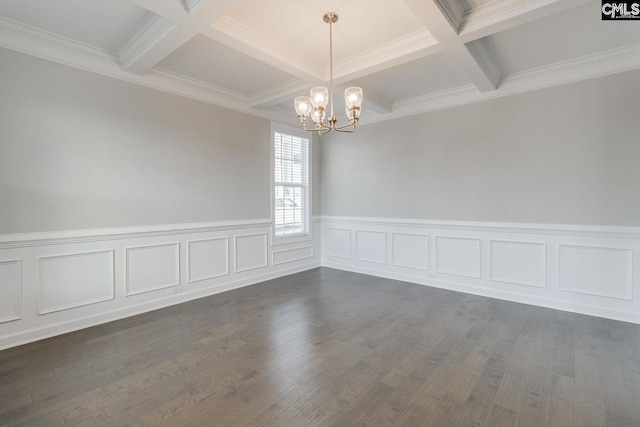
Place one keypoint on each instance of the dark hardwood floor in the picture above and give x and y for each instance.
(331, 348)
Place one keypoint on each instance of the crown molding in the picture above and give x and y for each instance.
(180, 84)
(440, 100)
(376, 102)
(155, 30)
(584, 68)
(498, 16)
(35, 42)
(278, 93)
(43, 44)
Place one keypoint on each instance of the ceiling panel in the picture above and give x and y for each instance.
(426, 75)
(298, 25)
(212, 62)
(105, 24)
(567, 35)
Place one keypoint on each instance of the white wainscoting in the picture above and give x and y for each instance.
(53, 283)
(458, 256)
(371, 246)
(290, 255)
(582, 269)
(336, 242)
(208, 258)
(152, 267)
(410, 250)
(520, 263)
(596, 270)
(11, 290)
(73, 280)
(251, 252)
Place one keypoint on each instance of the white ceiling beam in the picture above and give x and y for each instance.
(173, 27)
(443, 20)
(502, 15)
(157, 40)
(478, 64)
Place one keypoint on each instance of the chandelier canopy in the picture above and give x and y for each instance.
(314, 106)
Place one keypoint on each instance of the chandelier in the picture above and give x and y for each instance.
(314, 106)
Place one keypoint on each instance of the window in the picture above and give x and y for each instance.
(291, 201)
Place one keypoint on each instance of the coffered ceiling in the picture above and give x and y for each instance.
(409, 56)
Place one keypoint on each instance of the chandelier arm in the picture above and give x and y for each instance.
(346, 129)
(318, 129)
(352, 126)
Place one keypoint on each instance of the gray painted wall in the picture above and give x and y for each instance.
(79, 150)
(563, 155)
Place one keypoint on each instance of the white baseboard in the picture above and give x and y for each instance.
(595, 311)
(583, 269)
(55, 283)
(72, 325)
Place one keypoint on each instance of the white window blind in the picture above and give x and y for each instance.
(291, 179)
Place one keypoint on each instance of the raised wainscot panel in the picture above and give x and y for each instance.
(291, 255)
(251, 252)
(10, 290)
(208, 258)
(151, 268)
(74, 280)
(337, 242)
(410, 250)
(371, 246)
(594, 270)
(459, 256)
(520, 263)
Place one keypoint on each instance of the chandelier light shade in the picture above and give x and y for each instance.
(314, 106)
(319, 97)
(303, 106)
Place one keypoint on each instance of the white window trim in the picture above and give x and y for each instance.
(285, 240)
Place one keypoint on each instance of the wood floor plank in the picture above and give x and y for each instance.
(328, 347)
(501, 417)
(589, 404)
(561, 408)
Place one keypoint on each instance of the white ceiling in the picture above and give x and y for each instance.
(410, 56)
